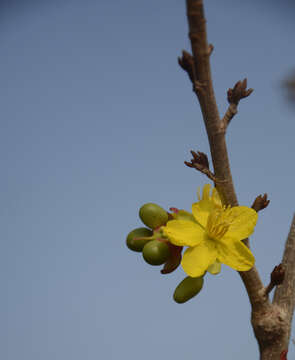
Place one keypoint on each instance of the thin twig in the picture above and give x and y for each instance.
(234, 96)
(230, 113)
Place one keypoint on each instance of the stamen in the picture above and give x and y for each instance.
(219, 222)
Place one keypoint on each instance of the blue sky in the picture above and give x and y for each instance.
(97, 119)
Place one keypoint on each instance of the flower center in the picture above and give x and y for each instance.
(219, 222)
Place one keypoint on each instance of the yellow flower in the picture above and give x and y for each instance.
(209, 195)
(213, 236)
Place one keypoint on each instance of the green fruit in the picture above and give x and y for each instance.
(187, 289)
(152, 215)
(137, 245)
(156, 252)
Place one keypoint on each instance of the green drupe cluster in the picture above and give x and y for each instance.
(150, 241)
(157, 250)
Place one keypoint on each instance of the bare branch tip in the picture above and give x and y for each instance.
(200, 162)
(186, 62)
(276, 278)
(188, 164)
(249, 92)
(238, 92)
(260, 203)
(278, 274)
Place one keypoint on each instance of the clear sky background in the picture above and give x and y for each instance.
(96, 120)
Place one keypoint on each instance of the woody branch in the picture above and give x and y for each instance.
(268, 320)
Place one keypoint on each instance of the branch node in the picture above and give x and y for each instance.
(186, 62)
(276, 278)
(210, 49)
(260, 203)
(199, 86)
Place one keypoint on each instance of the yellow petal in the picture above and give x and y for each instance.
(234, 254)
(184, 233)
(206, 192)
(207, 202)
(201, 211)
(183, 215)
(216, 198)
(215, 268)
(243, 222)
(209, 193)
(196, 260)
